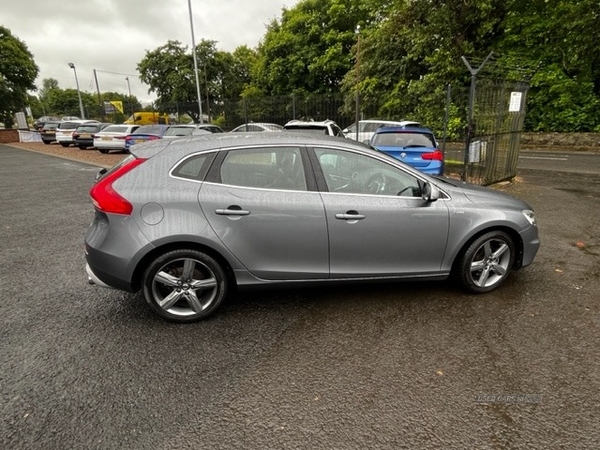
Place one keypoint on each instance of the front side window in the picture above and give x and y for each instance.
(270, 168)
(353, 173)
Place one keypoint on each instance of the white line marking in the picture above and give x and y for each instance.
(543, 157)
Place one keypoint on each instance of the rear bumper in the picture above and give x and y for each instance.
(93, 279)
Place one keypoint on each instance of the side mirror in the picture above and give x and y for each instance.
(429, 192)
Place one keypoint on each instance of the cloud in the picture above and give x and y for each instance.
(112, 36)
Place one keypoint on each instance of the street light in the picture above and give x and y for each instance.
(195, 62)
(130, 102)
(357, 106)
(72, 66)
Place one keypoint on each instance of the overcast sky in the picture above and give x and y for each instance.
(113, 35)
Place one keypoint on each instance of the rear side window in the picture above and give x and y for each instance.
(194, 168)
(272, 168)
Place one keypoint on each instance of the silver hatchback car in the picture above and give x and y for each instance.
(186, 220)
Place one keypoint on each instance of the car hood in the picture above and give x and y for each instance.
(480, 195)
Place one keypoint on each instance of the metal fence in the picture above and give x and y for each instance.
(492, 142)
(493, 110)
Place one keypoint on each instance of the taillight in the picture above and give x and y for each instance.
(433, 156)
(105, 197)
(153, 138)
(119, 137)
(75, 135)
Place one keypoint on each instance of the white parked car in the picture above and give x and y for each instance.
(113, 137)
(326, 127)
(366, 128)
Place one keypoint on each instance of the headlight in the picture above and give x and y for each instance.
(530, 216)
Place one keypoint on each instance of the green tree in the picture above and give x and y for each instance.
(560, 38)
(309, 49)
(407, 60)
(18, 72)
(169, 71)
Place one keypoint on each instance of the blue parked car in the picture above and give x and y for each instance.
(145, 133)
(415, 146)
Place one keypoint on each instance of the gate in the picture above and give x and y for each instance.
(496, 116)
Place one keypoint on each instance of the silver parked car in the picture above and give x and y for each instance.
(185, 220)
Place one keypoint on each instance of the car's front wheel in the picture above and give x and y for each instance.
(184, 285)
(486, 263)
(64, 144)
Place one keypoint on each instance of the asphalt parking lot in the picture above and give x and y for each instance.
(418, 365)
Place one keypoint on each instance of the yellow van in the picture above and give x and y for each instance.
(147, 118)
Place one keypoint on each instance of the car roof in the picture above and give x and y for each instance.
(220, 141)
(322, 123)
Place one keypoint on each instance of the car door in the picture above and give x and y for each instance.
(260, 205)
(378, 224)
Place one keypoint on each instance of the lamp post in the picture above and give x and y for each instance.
(357, 106)
(72, 66)
(195, 62)
(129, 90)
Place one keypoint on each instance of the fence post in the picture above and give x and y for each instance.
(446, 118)
(470, 127)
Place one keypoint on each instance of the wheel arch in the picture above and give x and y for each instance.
(514, 235)
(142, 265)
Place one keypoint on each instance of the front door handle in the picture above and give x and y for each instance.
(233, 210)
(350, 215)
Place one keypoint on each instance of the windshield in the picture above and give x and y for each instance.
(402, 139)
(179, 131)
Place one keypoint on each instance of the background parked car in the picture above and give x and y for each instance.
(260, 126)
(113, 137)
(326, 127)
(145, 133)
(176, 131)
(83, 136)
(39, 123)
(48, 132)
(414, 146)
(366, 128)
(65, 130)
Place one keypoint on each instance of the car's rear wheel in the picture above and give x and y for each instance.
(486, 263)
(46, 142)
(103, 150)
(184, 285)
(64, 144)
(82, 147)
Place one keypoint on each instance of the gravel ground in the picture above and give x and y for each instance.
(90, 156)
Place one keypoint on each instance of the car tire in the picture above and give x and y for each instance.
(46, 142)
(103, 150)
(184, 285)
(486, 262)
(64, 144)
(82, 147)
